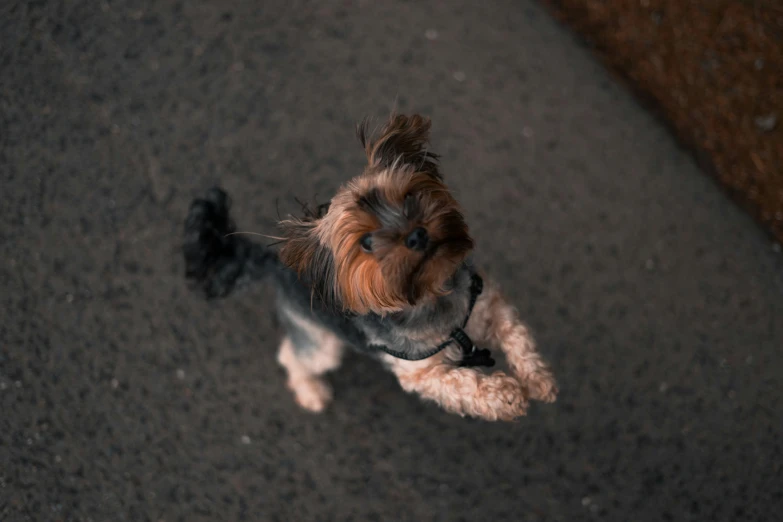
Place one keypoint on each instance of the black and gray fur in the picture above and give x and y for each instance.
(218, 261)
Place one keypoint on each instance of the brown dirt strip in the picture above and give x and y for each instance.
(714, 70)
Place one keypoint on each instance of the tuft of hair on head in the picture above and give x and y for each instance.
(402, 140)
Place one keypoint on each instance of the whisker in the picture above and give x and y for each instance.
(305, 207)
(255, 234)
(424, 157)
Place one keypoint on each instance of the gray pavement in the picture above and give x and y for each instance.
(125, 397)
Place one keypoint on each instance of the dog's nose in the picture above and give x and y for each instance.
(417, 240)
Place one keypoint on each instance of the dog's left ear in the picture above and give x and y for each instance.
(405, 140)
(303, 252)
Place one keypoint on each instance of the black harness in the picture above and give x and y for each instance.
(471, 355)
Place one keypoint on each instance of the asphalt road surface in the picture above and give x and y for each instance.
(124, 397)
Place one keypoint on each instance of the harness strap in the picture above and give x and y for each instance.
(471, 356)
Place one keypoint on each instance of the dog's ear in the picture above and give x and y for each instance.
(403, 140)
(303, 253)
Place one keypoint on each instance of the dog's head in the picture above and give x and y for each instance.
(391, 237)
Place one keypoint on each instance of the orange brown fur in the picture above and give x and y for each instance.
(297, 251)
(363, 282)
(393, 276)
(359, 281)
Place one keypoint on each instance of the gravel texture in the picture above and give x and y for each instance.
(713, 69)
(125, 397)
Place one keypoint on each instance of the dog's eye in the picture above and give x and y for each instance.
(366, 242)
(408, 204)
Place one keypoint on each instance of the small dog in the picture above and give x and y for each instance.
(382, 268)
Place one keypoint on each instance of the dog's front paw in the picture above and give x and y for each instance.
(500, 397)
(541, 385)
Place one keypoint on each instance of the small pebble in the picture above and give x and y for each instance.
(776, 248)
(663, 387)
(586, 501)
(18, 384)
(58, 459)
(527, 132)
(459, 76)
(749, 359)
(3, 386)
(649, 264)
(238, 67)
(180, 374)
(759, 64)
(115, 383)
(245, 439)
(69, 298)
(431, 34)
(767, 122)
(732, 394)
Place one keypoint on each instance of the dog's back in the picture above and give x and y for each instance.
(218, 261)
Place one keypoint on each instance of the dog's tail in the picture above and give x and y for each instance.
(216, 260)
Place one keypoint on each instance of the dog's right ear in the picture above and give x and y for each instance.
(303, 253)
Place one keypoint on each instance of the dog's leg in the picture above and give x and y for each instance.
(465, 391)
(307, 353)
(495, 322)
